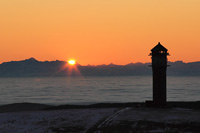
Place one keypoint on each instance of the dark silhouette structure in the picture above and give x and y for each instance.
(159, 66)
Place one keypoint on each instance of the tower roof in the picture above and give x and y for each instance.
(159, 47)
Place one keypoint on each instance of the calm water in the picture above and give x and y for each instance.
(86, 90)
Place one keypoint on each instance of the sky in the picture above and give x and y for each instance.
(99, 31)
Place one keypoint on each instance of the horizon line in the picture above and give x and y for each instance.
(32, 58)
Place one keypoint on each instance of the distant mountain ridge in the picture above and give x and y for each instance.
(34, 68)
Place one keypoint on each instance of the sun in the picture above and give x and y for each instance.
(72, 62)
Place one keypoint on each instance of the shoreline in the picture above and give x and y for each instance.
(20, 107)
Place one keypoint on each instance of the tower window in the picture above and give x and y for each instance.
(161, 52)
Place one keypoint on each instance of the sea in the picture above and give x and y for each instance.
(89, 90)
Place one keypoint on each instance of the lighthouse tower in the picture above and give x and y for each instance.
(159, 66)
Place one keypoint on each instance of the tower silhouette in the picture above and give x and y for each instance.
(159, 66)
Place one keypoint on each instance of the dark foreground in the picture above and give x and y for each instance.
(100, 118)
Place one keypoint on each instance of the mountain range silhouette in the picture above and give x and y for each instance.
(34, 68)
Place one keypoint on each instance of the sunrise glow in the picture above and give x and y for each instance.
(98, 31)
(72, 62)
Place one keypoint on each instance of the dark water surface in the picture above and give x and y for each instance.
(87, 90)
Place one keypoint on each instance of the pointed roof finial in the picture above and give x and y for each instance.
(159, 47)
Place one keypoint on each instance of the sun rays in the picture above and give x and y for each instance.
(72, 68)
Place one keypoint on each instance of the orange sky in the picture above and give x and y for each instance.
(99, 31)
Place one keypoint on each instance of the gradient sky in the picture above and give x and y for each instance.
(99, 31)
